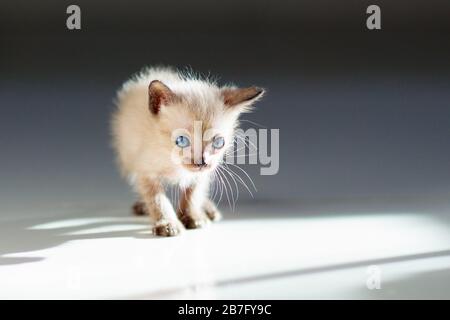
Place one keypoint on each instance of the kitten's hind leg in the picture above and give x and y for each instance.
(139, 208)
(211, 210)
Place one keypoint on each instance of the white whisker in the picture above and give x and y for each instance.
(235, 183)
(248, 177)
(241, 181)
(253, 122)
(225, 186)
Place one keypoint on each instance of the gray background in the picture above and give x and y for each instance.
(361, 113)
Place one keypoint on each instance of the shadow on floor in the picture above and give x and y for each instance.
(439, 206)
(17, 236)
(426, 285)
(23, 236)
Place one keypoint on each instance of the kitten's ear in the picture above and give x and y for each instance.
(159, 94)
(243, 98)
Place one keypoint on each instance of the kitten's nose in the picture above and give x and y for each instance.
(201, 164)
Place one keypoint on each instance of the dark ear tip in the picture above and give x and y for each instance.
(260, 90)
(158, 93)
(154, 82)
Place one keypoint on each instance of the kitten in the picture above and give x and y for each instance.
(171, 128)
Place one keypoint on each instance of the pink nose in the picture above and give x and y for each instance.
(201, 163)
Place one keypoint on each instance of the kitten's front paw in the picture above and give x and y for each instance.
(211, 211)
(167, 229)
(193, 222)
(214, 215)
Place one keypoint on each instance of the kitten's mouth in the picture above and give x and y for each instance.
(197, 167)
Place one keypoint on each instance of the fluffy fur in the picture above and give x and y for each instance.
(153, 109)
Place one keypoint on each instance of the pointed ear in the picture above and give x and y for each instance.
(245, 97)
(159, 94)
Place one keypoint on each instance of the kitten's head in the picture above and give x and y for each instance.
(197, 121)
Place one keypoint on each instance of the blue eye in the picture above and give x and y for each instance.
(182, 142)
(218, 142)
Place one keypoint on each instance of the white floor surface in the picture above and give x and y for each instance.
(304, 250)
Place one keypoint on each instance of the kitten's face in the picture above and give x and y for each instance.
(197, 127)
(197, 142)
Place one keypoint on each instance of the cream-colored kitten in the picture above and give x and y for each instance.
(172, 128)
